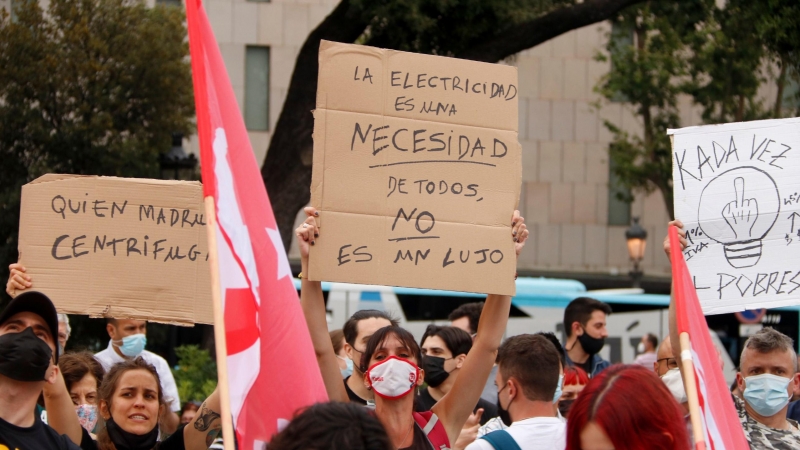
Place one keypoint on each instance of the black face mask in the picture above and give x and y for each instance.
(591, 345)
(503, 413)
(564, 406)
(129, 441)
(24, 357)
(434, 370)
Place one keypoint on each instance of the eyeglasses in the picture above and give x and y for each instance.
(672, 363)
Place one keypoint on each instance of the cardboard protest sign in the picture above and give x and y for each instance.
(417, 170)
(118, 247)
(737, 192)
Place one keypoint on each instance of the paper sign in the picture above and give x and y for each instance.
(118, 247)
(737, 192)
(417, 170)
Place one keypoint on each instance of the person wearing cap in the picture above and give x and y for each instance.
(127, 341)
(28, 358)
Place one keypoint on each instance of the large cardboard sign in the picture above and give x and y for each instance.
(118, 247)
(417, 170)
(737, 192)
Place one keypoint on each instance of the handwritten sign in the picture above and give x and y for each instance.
(118, 247)
(417, 170)
(737, 192)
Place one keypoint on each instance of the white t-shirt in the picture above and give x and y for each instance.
(536, 433)
(109, 357)
(646, 359)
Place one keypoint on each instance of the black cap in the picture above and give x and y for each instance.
(39, 304)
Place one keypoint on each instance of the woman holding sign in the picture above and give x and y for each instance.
(391, 360)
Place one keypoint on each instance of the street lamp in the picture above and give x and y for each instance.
(637, 240)
(176, 164)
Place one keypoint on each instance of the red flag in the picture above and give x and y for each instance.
(272, 368)
(721, 426)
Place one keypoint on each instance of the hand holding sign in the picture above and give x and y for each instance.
(741, 214)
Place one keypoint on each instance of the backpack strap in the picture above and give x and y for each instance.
(501, 440)
(433, 429)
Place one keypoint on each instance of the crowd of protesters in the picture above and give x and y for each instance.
(460, 387)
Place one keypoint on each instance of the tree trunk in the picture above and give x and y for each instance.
(287, 168)
(781, 84)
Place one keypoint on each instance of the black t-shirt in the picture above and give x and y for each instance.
(352, 395)
(425, 402)
(586, 366)
(174, 442)
(36, 437)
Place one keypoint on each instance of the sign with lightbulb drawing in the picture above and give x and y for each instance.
(737, 191)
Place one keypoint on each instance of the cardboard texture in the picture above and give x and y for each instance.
(118, 247)
(737, 192)
(417, 170)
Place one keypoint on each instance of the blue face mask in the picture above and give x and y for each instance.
(557, 394)
(766, 393)
(349, 370)
(132, 345)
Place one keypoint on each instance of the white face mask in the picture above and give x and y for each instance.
(640, 348)
(393, 377)
(674, 383)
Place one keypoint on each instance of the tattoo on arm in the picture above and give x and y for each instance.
(206, 418)
(212, 434)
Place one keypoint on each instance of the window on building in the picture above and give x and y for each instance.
(256, 88)
(619, 205)
(169, 2)
(621, 41)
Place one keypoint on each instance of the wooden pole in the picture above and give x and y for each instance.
(228, 437)
(689, 383)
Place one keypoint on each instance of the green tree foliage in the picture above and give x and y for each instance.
(87, 87)
(715, 55)
(196, 373)
(647, 52)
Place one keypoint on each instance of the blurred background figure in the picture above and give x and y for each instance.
(83, 376)
(345, 363)
(64, 331)
(647, 350)
(575, 379)
(188, 411)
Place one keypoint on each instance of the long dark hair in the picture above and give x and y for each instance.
(109, 386)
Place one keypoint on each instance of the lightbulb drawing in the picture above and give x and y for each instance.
(737, 209)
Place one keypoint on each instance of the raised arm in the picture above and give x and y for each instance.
(61, 414)
(200, 433)
(18, 280)
(455, 407)
(313, 304)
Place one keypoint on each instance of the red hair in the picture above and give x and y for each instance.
(575, 375)
(633, 407)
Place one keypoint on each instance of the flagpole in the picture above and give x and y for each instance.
(691, 391)
(228, 437)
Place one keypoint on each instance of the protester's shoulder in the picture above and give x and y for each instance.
(63, 442)
(105, 357)
(154, 359)
(480, 444)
